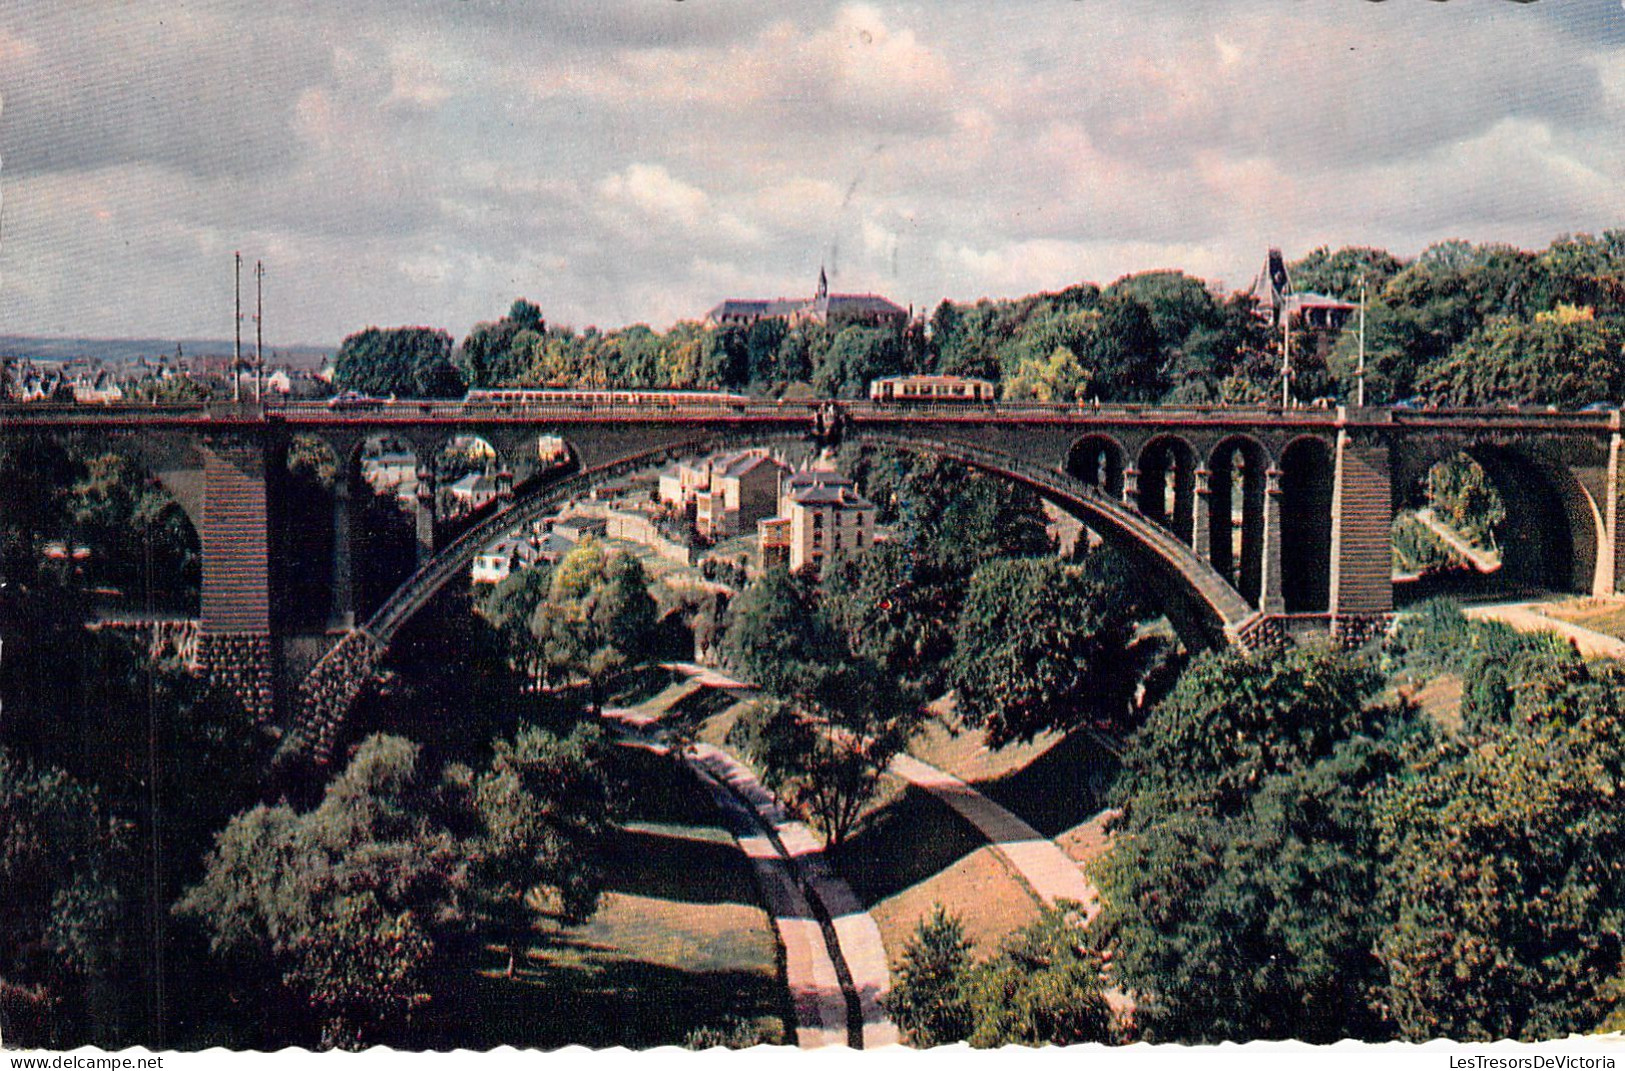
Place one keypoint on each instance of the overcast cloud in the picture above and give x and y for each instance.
(621, 161)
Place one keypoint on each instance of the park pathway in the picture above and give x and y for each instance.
(835, 963)
(1481, 560)
(1048, 871)
(1040, 862)
(1527, 617)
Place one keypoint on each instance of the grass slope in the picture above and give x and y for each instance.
(679, 941)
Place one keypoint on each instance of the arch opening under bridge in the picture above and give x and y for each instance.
(1203, 607)
(1552, 537)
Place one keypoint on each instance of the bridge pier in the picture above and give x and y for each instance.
(1362, 585)
(342, 607)
(234, 642)
(423, 518)
(1610, 575)
(1184, 503)
(1271, 597)
(1253, 528)
(1201, 514)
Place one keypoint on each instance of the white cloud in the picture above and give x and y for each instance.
(626, 160)
(648, 195)
(656, 195)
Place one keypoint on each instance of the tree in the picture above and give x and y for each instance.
(824, 747)
(1042, 988)
(355, 906)
(1569, 356)
(825, 776)
(545, 809)
(1259, 925)
(597, 619)
(62, 929)
(725, 358)
(857, 356)
(1125, 357)
(929, 1002)
(413, 362)
(1056, 379)
(38, 473)
(1340, 274)
(141, 543)
(1042, 645)
(953, 515)
(306, 893)
(894, 606)
(1503, 875)
(1463, 497)
(509, 607)
(1235, 719)
(1238, 889)
(775, 638)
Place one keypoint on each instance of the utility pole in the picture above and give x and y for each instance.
(237, 352)
(259, 331)
(1359, 370)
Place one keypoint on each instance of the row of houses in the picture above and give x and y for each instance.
(95, 383)
(546, 542)
(800, 517)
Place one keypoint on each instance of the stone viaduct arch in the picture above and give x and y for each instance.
(1207, 610)
(1256, 521)
(1558, 500)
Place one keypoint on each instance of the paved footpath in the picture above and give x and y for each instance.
(787, 859)
(1526, 617)
(1048, 871)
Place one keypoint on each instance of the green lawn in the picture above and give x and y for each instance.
(912, 853)
(1053, 782)
(1066, 784)
(909, 838)
(1600, 615)
(679, 941)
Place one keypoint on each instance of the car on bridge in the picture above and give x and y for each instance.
(355, 400)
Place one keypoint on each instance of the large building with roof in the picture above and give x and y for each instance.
(823, 307)
(1276, 301)
(728, 494)
(821, 513)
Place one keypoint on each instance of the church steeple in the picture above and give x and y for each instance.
(823, 285)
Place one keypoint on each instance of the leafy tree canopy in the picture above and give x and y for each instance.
(598, 618)
(412, 362)
(1503, 878)
(1043, 987)
(357, 903)
(1556, 357)
(1042, 645)
(59, 854)
(1235, 719)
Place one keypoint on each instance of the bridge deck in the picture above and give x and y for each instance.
(318, 415)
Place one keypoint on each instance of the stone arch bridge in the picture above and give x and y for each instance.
(1252, 522)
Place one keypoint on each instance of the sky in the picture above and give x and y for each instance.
(400, 162)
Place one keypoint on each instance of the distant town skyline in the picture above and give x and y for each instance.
(621, 162)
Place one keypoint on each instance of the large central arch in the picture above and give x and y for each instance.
(1203, 606)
